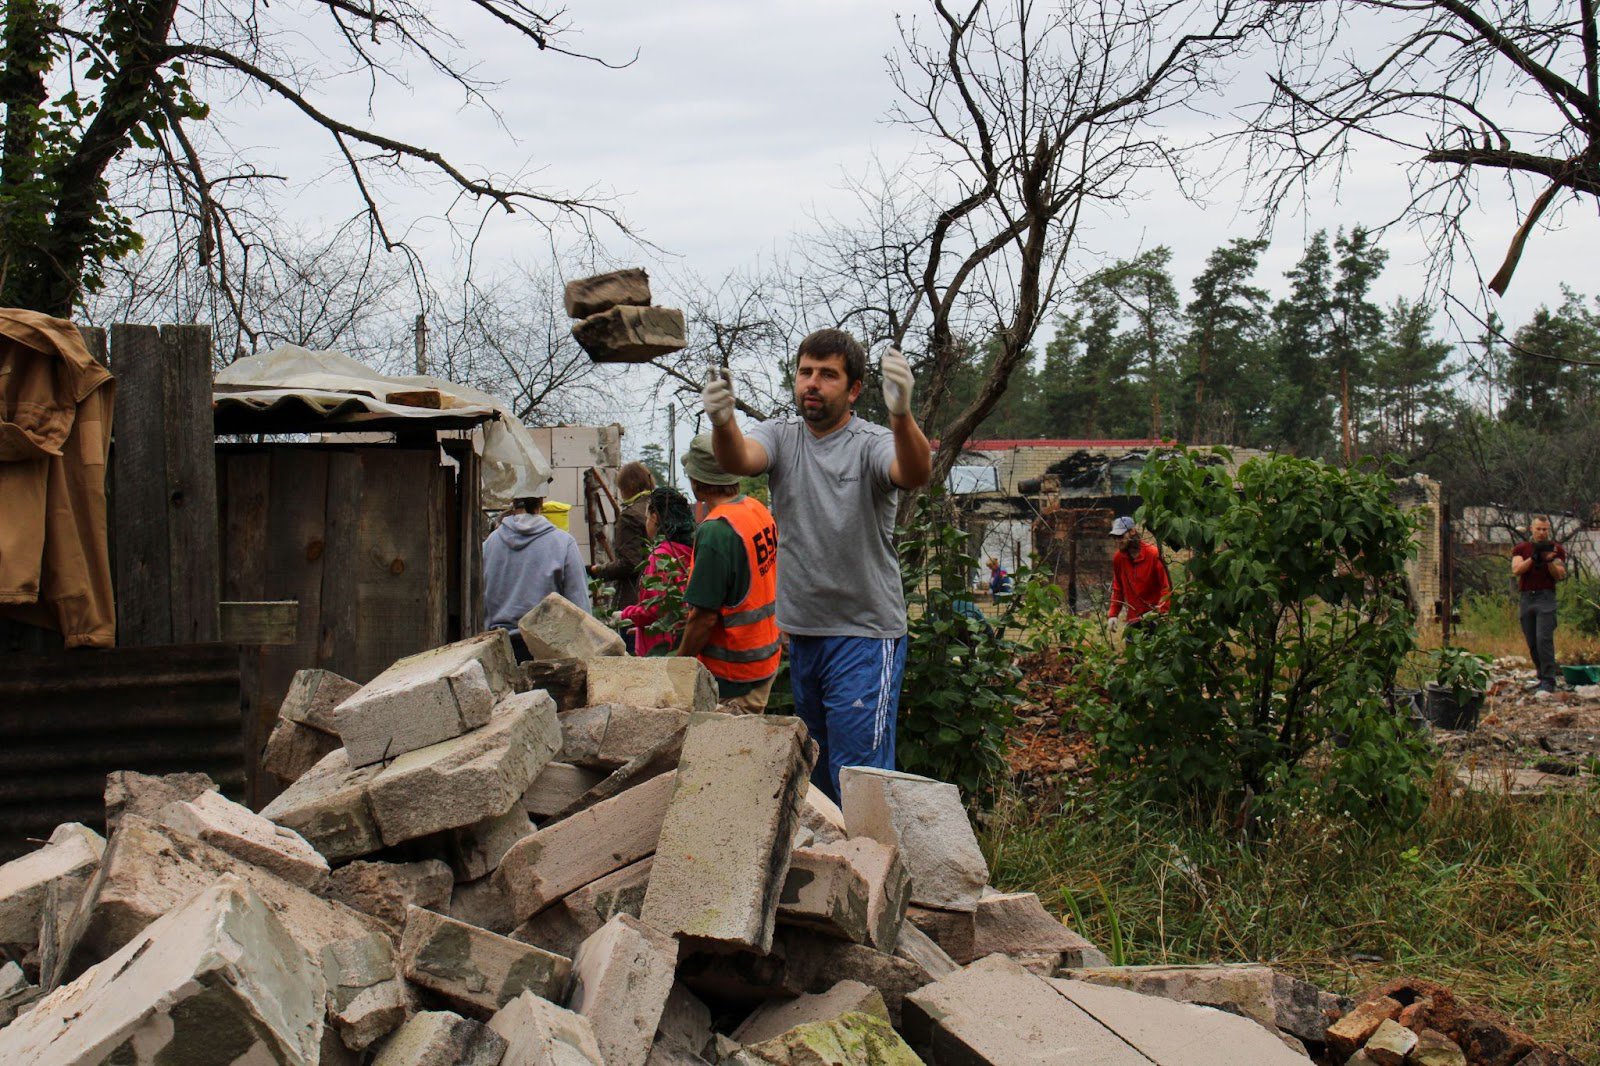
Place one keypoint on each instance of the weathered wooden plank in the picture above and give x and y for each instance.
(191, 484)
(394, 556)
(341, 634)
(140, 514)
(260, 621)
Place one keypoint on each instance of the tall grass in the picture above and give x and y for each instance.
(1498, 898)
(1489, 625)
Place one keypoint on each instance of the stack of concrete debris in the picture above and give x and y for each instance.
(1420, 1023)
(616, 322)
(605, 870)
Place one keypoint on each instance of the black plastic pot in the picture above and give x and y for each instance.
(1441, 707)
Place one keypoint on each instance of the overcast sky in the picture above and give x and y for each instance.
(740, 120)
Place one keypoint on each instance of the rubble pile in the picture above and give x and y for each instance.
(620, 874)
(1422, 1024)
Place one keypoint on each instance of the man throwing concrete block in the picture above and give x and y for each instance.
(836, 482)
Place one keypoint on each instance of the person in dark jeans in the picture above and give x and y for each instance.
(1538, 563)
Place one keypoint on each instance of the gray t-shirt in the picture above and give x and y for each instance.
(838, 574)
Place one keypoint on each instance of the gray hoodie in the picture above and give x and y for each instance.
(524, 560)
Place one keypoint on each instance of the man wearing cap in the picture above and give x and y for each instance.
(836, 482)
(1139, 579)
(733, 584)
(524, 560)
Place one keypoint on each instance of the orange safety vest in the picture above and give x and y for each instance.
(744, 646)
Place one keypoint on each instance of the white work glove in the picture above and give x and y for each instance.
(716, 398)
(896, 374)
(1116, 623)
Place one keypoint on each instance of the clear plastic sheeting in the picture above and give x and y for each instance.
(513, 465)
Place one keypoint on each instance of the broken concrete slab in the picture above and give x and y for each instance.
(1272, 999)
(774, 1019)
(292, 749)
(73, 851)
(1435, 1049)
(626, 334)
(1016, 924)
(926, 821)
(822, 816)
(888, 885)
(312, 697)
(130, 792)
(919, 949)
(442, 1038)
(567, 680)
(557, 628)
(825, 892)
(385, 889)
(621, 978)
(566, 855)
(539, 1033)
(685, 1021)
(480, 774)
(853, 1039)
(558, 785)
(816, 964)
(219, 972)
(954, 931)
(150, 870)
(247, 836)
(654, 681)
(475, 850)
(590, 296)
(1390, 1044)
(995, 1012)
(725, 843)
(486, 904)
(610, 735)
(563, 926)
(1177, 1034)
(328, 806)
(660, 759)
(426, 698)
(1346, 1035)
(366, 996)
(16, 992)
(474, 969)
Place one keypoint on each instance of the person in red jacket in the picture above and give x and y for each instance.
(1139, 579)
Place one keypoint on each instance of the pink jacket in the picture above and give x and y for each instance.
(646, 611)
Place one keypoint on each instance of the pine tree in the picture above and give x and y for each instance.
(1357, 326)
(1221, 362)
(1141, 292)
(1299, 412)
(1408, 378)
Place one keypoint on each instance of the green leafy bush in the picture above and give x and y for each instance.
(1465, 674)
(1287, 627)
(960, 689)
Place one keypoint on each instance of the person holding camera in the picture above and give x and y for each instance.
(1538, 563)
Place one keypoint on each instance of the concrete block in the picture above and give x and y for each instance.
(476, 970)
(219, 972)
(475, 850)
(1390, 1043)
(853, 1039)
(477, 775)
(567, 680)
(564, 925)
(328, 806)
(312, 697)
(822, 816)
(16, 993)
(919, 949)
(577, 448)
(816, 964)
(668, 1053)
(566, 855)
(1273, 1000)
(954, 931)
(925, 820)
(725, 844)
(539, 1033)
(621, 978)
(660, 759)
(630, 334)
(486, 904)
(654, 681)
(685, 1021)
(73, 852)
(888, 886)
(366, 996)
(55, 923)
(825, 892)
(1176, 1034)
(130, 792)
(558, 786)
(557, 628)
(590, 296)
(1435, 1049)
(292, 749)
(426, 698)
(610, 735)
(247, 836)
(150, 870)
(442, 1038)
(1346, 1035)
(776, 1018)
(385, 889)
(1016, 924)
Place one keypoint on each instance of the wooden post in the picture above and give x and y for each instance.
(164, 486)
